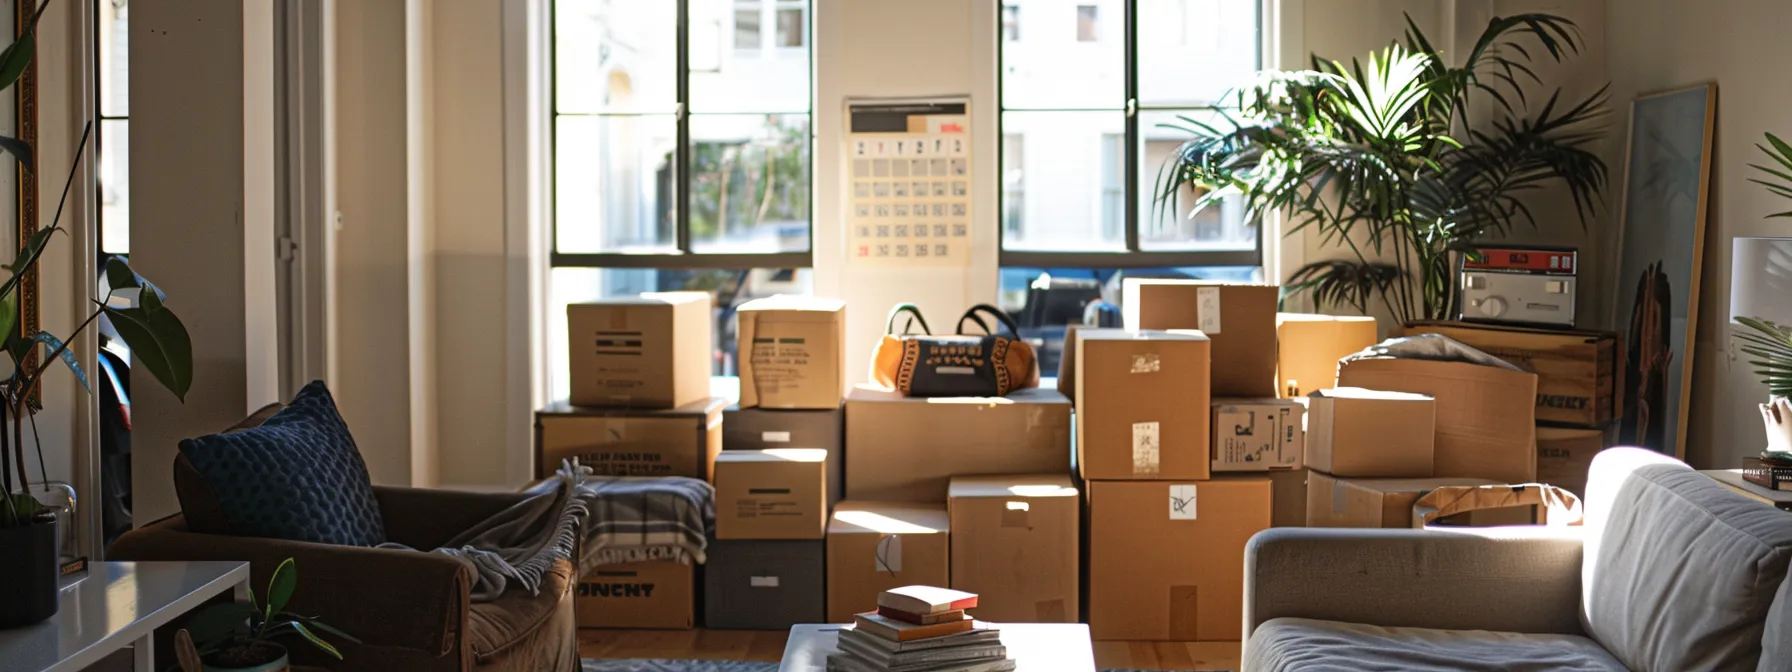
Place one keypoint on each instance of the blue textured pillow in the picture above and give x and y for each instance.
(298, 476)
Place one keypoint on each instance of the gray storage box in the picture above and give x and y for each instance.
(764, 585)
(768, 428)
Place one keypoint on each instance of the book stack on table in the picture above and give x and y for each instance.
(920, 629)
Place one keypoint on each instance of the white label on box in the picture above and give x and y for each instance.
(1147, 363)
(1182, 502)
(775, 437)
(1144, 448)
(1207, 306)
(762, 581)
(889, 553)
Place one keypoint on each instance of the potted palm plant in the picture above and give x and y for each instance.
(1768, 342)
(238, 637)
(1381, 159)
(158, 342)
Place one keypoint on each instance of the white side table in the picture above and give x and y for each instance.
(1035, 647)
(118, 604)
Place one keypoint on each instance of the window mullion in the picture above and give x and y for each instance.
(1129, 46)
(681, 154)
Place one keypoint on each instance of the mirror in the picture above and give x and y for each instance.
(18, 206)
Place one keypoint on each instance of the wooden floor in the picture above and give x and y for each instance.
(769, 647)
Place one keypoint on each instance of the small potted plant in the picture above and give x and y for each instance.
(238, 637)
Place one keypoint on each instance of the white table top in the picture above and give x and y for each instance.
(1035, 647)
(113, 605)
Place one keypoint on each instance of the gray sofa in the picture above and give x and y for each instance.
(1670, 572)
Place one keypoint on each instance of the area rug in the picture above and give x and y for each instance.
(643, 665)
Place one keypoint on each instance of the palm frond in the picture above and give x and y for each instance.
(1781, 186)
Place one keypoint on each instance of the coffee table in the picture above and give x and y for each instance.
(117, 605)
(1035, 647)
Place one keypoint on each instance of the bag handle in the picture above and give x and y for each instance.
(912, 311)
(1002, 319)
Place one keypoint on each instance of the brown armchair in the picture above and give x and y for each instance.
(411, 610)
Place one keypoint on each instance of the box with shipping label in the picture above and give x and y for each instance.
(1352, 431)
(876, 546)
(1308, 348)
(764, 585)
(1166, 559)
(792, 352)
(1136, 394)
(1258, 434)
(1289, 487)
(1486, 415)
(905, 449)
(1239, 319)
(768, 428)
(779, 493)
(650, 351)
(1015, 545)
(1380, 502)
(655, 595)
(1564, 456)
(630, 442)
(1578, 373)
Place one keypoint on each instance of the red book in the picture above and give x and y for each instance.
(920, 619)
(926, 600)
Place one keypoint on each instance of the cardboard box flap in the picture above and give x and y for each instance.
(1364, 393)
(774, 455)
(1561, 507)
(1011, 487)
(796, 308)
(1142, 335)
(851, 517)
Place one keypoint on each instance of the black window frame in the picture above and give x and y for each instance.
(1133, 256)
(683, 257)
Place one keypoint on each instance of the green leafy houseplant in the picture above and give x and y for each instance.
(1382, 159)
(1771, 343)
(235, 635)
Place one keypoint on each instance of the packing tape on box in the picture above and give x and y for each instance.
(889, 554)
(1050, 611)
(1185, 613)
(1145, 448)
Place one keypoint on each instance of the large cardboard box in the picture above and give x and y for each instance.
(1356, 432)
(1308, 348)
(1486, 415)
(1137, 393)
(769, 428)
(1258, 434)
(906, 449)
(1375, 502)
(1067, 363)
(650, 351)
(655, 595)
(1289, 488)
(1166, 559)
(764, 585)
(876, 546)
(1578, 375)
(771, 494)
(1565, 455)
(682, 441)
(1015, 544)
(1240, 319)
(792, 352)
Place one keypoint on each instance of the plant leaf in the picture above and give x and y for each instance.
(286, 579)
(9, 314)
(52, 343)
(120, 275)
(17, 57)
(327, 628)
(19, 148)
(314, 639)
(159, 341)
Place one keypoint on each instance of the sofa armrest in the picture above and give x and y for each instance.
(1511, 579)
(386, 598)
(424, 518)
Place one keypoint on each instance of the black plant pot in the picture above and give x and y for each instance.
(27, 573)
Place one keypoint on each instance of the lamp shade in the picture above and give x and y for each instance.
(1761, 279)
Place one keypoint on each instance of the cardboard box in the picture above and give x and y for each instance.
(1016, 545)
(649, 595)
(876, 546)
(1370, 502)
(650, 351)
(1240, 320)
(792, 352)
(1565, 455)
(1258, 434)
(1166, 559)
(1067, 363)
(1372, 433)
(1309, 347)
(1578, 375)
(767, 428)
(1486, 415)
(764, 585)
(1136, 391)
(906, 449)
(1289, 490)
(682, 441)
(771, 494)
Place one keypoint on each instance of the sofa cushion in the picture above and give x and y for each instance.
(516, 617)
(1291, 644)
(296, 476)
(1679, 572)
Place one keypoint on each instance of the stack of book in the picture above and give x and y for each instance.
(920, 629)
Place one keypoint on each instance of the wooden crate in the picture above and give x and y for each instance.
(1578, 372)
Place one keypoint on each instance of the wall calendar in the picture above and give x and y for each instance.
(909, 201)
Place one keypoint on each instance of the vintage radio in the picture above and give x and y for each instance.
(1519, 285)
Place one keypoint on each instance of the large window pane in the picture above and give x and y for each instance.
(114, 55)
(613, 183)
(1193, 51)
(615, 56)
(750, 183)
(754, 77)
(1172, 223)
(115, 186)
(1066, 196)
(1050, 66)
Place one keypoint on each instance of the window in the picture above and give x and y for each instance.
(1010, 23)
(114, 139)
(1095, 116)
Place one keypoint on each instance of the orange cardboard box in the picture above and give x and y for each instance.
(1142, 404)
(1016, 545)
(876, 546)
(657, 595)
(682, 441)
(1309, 346)
(1486, 415)
(1239, 319)
(1356, 432)
(792, 352)
(649, 351)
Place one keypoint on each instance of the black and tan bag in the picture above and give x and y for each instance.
(966, 365)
